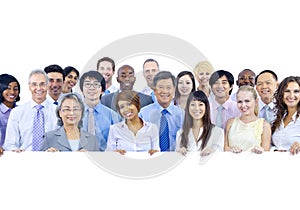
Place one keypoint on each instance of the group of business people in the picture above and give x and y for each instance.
(171, 116)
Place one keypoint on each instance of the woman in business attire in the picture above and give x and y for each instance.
(69, 137)
(71, 77)
(198, 133)
(286, 127)
(132, 134)
(9, 95)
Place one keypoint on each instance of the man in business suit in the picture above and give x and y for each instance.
(126, 78)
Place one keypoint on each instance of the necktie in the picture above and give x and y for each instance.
(38, 128)
(106, 92)
(266, 113)
(91, 122)
(164, 141)
(219, 121)
(55, 102)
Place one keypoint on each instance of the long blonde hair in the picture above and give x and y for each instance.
(248, 88)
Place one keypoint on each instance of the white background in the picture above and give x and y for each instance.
(233, 35)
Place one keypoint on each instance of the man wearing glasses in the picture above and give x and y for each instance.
(28, 122)
(97, 117)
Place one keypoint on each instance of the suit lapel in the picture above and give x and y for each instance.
(62, 138)
(83, 139)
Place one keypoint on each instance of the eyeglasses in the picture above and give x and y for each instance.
(68, 110)
(95, 85)
(41, 85)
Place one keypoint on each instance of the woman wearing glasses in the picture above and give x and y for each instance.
(69, 137)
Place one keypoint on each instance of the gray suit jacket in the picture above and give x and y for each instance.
(58, 139)
(110, 100)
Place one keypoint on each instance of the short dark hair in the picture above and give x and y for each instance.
(92, 74)
(108, 60)
(163, 75)
(54, 68)
(266, 71)
(5, 79)
(69, 69)
(220, 73)
(150, 60)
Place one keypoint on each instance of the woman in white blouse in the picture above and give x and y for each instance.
(286, 127)
(132, 134)
(198, 133)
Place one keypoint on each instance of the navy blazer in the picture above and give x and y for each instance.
(110, 100)
(58, 139)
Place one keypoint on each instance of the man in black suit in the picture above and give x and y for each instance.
(126, 78)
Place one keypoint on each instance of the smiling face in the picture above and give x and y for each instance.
(197, 109)
(291, 95)
(221, 88)
(246, 102)
(127, 110)
(106, 69)
(70, 112)
(71, 80)
(185, 85)
(149, 71)
(266, 85)
(55, 84)
(91, 90)
(126, 78)
(38, 87)
(164, 92)
(10, 94)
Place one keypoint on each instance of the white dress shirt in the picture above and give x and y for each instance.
(121, 138)
(216, 138)
(20, 124)
(284, 137)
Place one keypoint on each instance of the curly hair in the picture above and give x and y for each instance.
(280, 106)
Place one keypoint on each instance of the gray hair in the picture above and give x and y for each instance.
(38, 71)
(77, 98)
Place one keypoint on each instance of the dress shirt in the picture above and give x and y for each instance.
(121, 138)
(20, 124)
(4, 114)
(175, 116)
(216, 139)
(230, 111)
(284, 137)
(271, 111)
(111, 89)
(51, 100)
(104, 118)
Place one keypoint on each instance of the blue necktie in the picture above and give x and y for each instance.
(106, 92)
(38, 128)
(55, 102)
(164, 141)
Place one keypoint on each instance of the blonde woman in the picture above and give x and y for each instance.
(247, 132)
(202, 72)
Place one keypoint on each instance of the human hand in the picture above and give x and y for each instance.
(236, 149)
(208, 150)
(152, 151)
(18, 150)
(183, 151)
(1, 151)
(257, 150)
(52, 149)
(82, 150)
(295, 148)
(121, 151)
